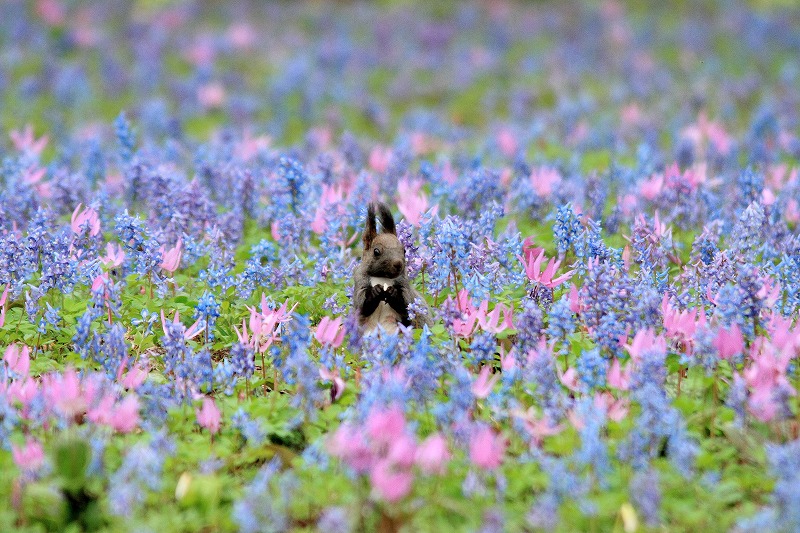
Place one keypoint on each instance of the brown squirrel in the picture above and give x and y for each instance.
(382, 290)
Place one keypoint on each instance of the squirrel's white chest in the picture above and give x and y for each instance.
(386, 282)
(384, 315)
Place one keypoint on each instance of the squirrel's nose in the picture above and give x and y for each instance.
(397, 265)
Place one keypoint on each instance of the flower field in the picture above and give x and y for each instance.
(599, 208)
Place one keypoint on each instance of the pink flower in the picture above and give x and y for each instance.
(25, 141)
(349, 444)
(208, 416)
(631, 115)
(766, 377)
(762, 405)
(626, 257)
(384, 426)
(544, 180)
(465, 325)
(85, 31)
(412, 202)
(491, 321)
(538, 428)
(578, 133)
(719, 138)
(483, 385)
(617, 377)
(321, 137)
(660, 230)
(264, 325)
(29, 457)
(402, 451)
(449, 174)
(101, 413)
(99, 282)
(780, 329)
(432, 455)
(533, 269)
(542, 350)
(505, 177)
(508, 361)
(52, 12)
(679, 323)
(193, 331)
(86, 218)
(619, 409)
(770, 291)
(23, 391)
(652, 187)
(782, 335)
(114, 182)
(389, 482)
(331, 196)
(241, 35)
(574, 299)
(616, 410)
(33, 177)
(100, 287)
(134, 378)
(211, 95)
(530, 250)
(464, 328)
(486, 448)
(421, 143)
(776, 175)
(171, 259)
(330, 331)
(3, 299)
(250, 146)
(729, 342)
(125, 416)
(382, 447)
(646, 340)
(569, 379)
(335, 377)
(64, 391)
(115, 255)
(18, 359)
(713, 131)
(507, 142)
(201, 52)
(379, 159)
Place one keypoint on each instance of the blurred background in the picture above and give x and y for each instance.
(587, 73)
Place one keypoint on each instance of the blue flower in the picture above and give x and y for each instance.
(591, 367)
(125, 137)
(645, 493)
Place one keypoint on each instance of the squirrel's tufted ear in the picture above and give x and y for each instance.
(387, 220)
(369, 230)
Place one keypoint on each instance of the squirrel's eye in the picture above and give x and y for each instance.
(377, 252)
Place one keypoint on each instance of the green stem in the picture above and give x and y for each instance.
(36, 348)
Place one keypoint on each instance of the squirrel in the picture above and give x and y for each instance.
(382, 290)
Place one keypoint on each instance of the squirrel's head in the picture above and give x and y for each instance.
(384, 255)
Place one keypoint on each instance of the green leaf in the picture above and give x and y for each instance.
(71, 459)
(44, 503)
